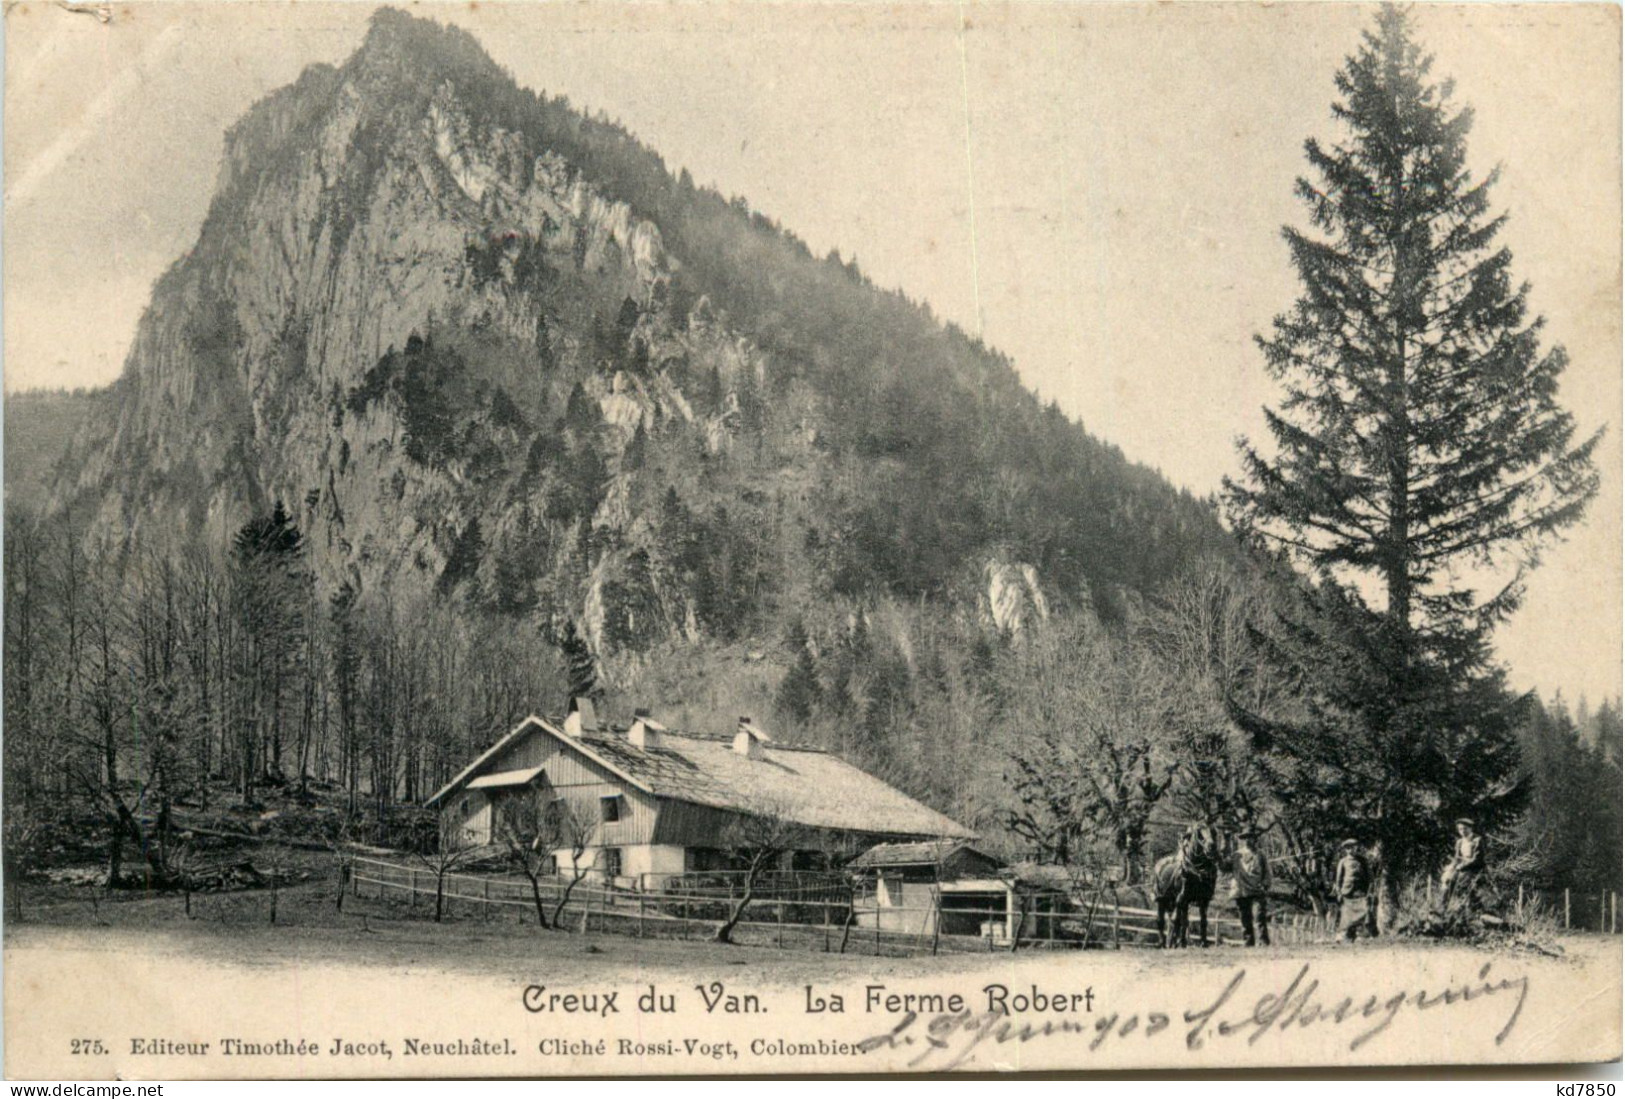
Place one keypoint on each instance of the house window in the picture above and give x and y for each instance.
(609, 808)
(463, 808)
(612, 862)
(809, 860)
(550, 866)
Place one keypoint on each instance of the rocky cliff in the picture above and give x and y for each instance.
(480, 344)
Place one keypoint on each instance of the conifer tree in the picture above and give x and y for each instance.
(1420, 431)
(270, 596)
(1419, 451)
(579, 664)
(465, 556)
(799, 693)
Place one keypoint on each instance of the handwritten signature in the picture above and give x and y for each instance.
(952, 1039)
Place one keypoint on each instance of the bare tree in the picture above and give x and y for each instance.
(567, 827)
(519, 829)
(762, 837)
(342, 844)
(183, 863)
(1202, 635)
(23, 831)
(125, 826)
(442, 862)
(276, 852)
(1087, 744)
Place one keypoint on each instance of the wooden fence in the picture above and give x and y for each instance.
(807, 911)
(1571, 910)
(825, 911)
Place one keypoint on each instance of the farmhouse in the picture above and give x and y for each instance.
(646, 803)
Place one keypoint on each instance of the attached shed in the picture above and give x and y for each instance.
(910, 886)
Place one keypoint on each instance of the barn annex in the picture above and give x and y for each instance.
(915, 887)
(659, 803)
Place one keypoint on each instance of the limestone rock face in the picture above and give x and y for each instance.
(482, 345)
(363, 208)
(1013, 601)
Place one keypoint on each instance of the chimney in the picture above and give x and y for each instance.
(645, 731)
(748, 740)
(582, 718)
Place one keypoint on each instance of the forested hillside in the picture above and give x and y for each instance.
(42, 426)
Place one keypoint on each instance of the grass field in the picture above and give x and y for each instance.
(235, 928)
(140, 967)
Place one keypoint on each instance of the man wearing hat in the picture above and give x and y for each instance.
(1352, 885)
(1250, 885)
(1466, 862)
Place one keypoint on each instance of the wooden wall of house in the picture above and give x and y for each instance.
(583, 784)
(465, 819)
(684, 824)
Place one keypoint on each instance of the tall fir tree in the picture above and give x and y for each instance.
(464, 559)
(1420, 431)
(270, 597)
(800, 693)
(1419, 452)
(579, 665)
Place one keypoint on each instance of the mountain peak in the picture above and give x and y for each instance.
(613, 369)
(422, 48)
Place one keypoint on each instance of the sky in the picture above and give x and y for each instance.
(1096, 189)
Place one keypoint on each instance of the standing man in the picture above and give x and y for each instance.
(1250, 885)
(1352, 885)
(1466, 862)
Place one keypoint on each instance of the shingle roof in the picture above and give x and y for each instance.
(927, 853)
(805, 785)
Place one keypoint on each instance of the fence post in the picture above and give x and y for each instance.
(1602, 910)
(640, 908)
(412, 890)
(1117, 921)
(1520, 903)
(935, 915)
(487, 915)
(1565, 909)
(1613, 911)
(780, 907)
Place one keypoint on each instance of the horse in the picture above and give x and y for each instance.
(1188, 876)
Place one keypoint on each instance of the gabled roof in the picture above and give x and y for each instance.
(806, 785)
(532, 725)
(460, 779)
(928, 853)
